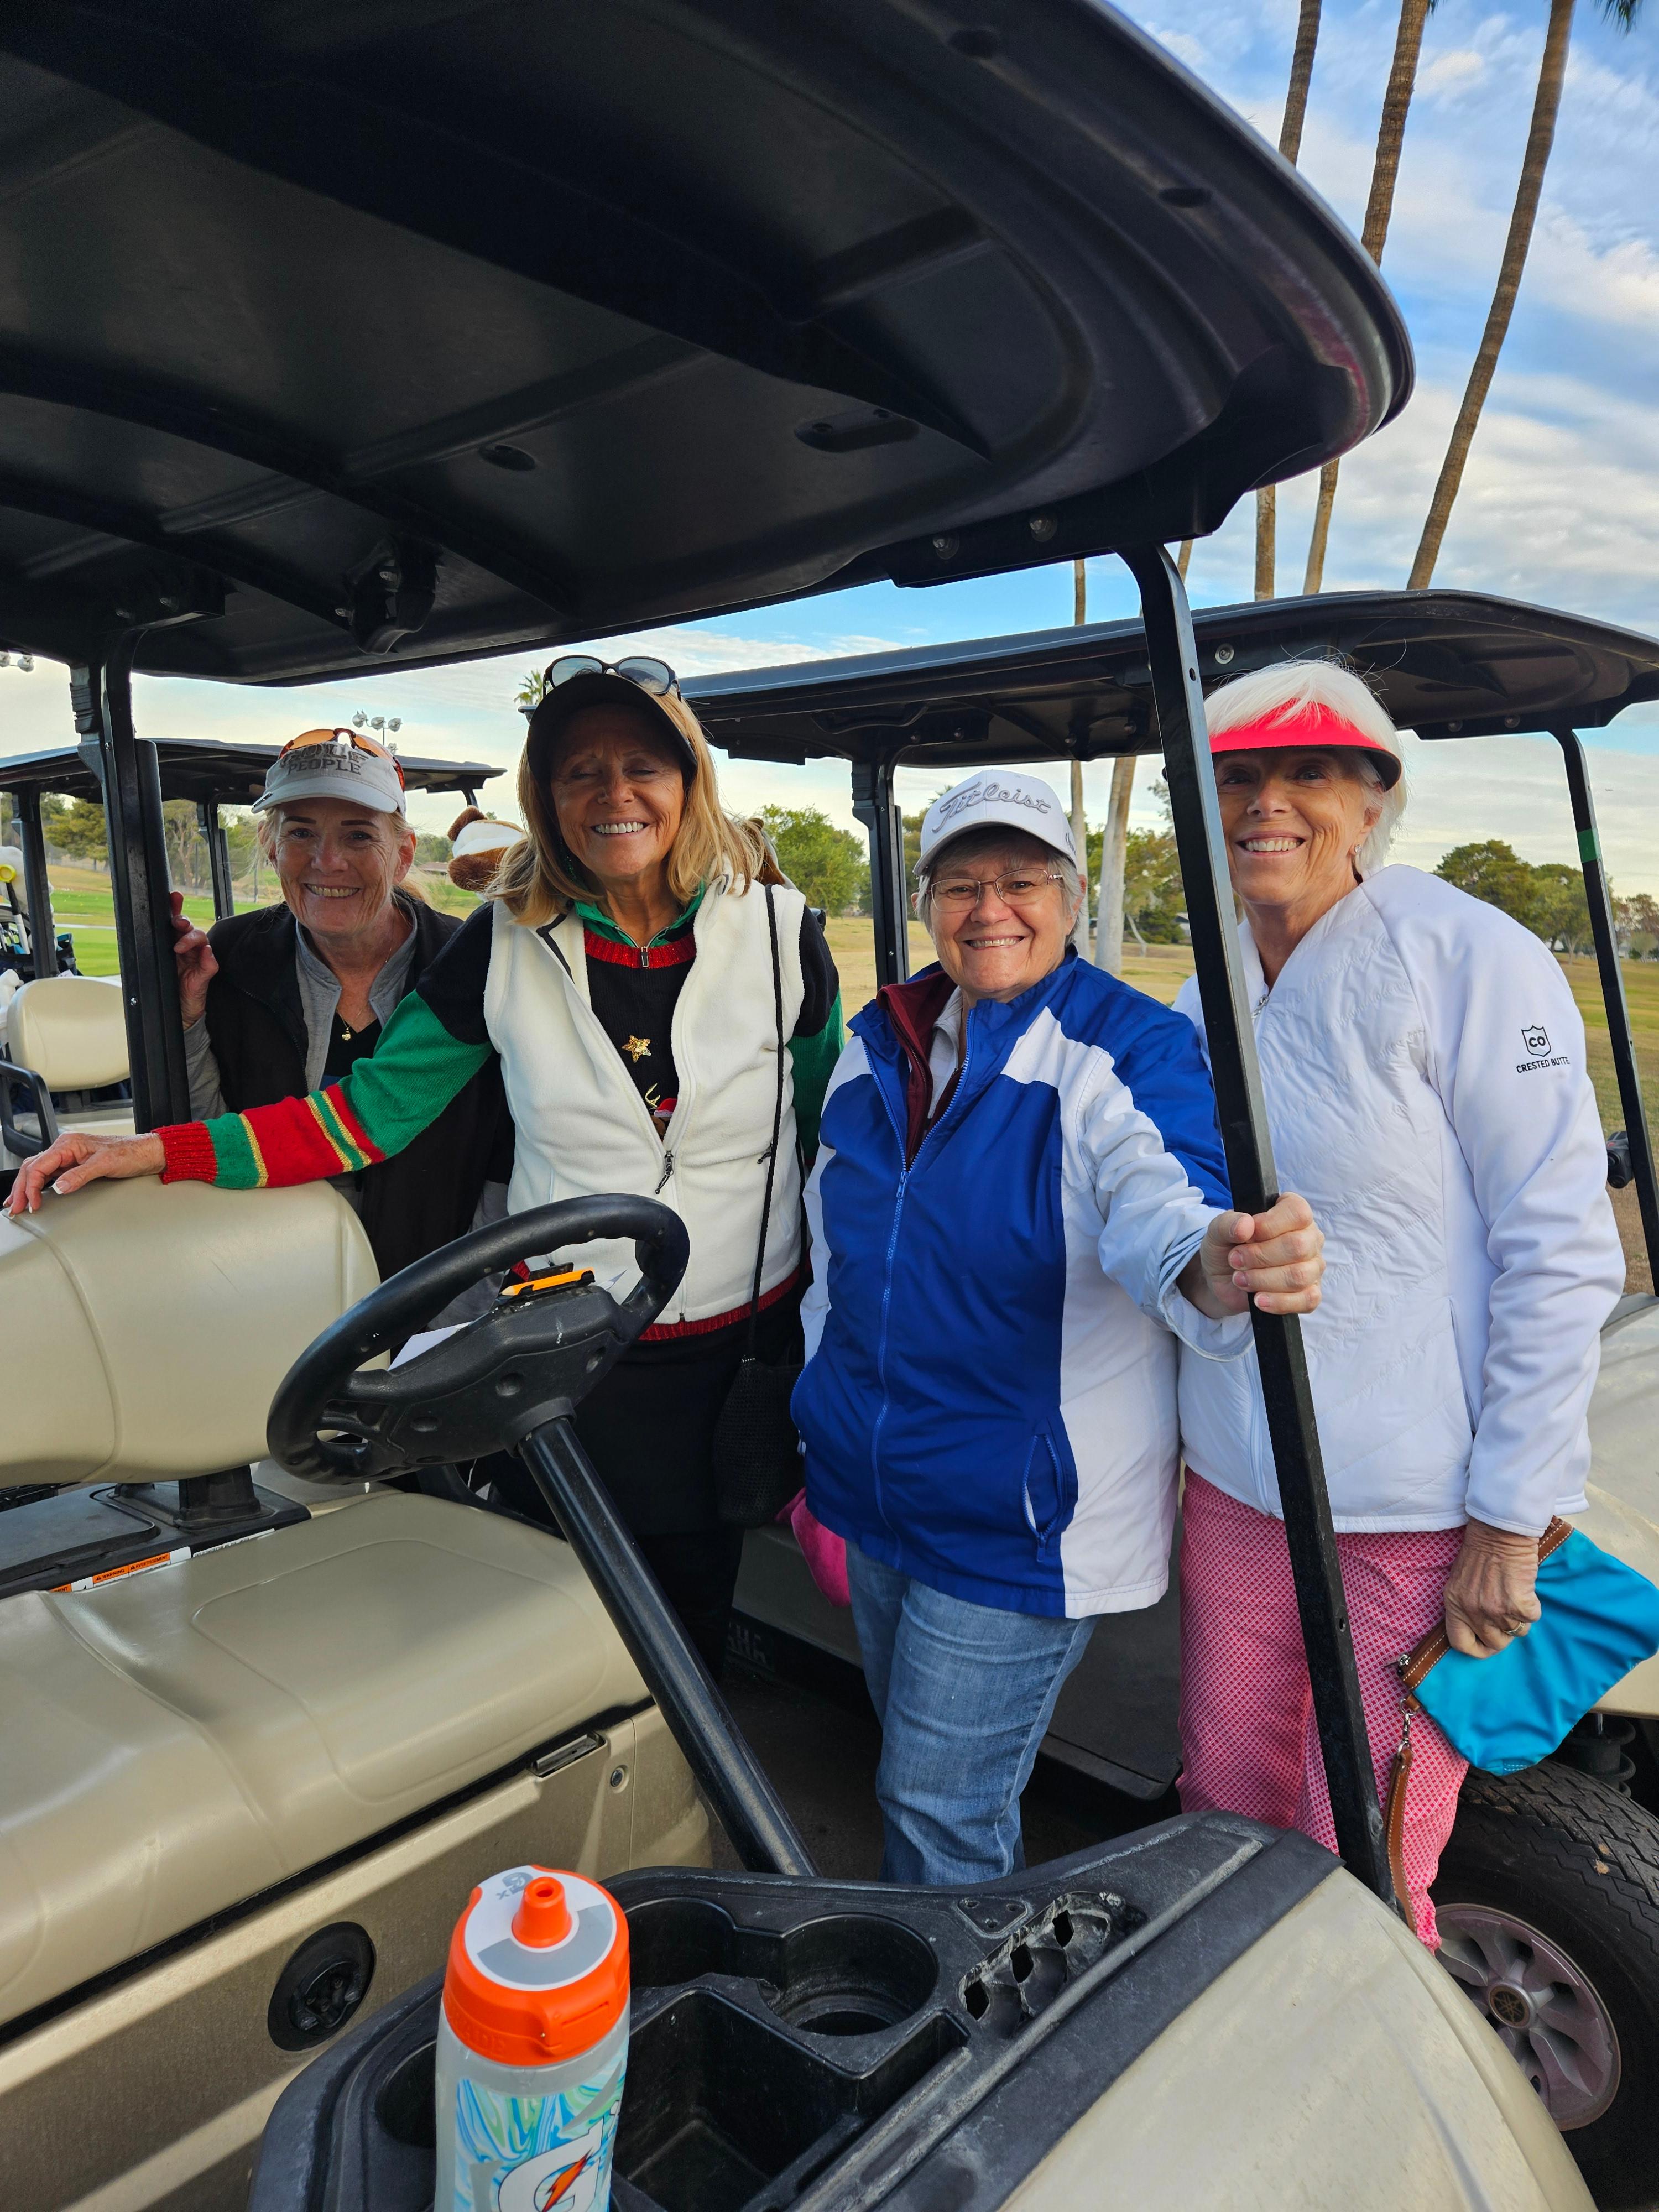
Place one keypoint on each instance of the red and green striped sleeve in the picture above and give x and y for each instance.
(433, 1045)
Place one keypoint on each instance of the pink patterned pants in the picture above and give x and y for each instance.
(1247, 1721)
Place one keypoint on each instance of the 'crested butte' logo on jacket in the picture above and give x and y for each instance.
(1536, 1039)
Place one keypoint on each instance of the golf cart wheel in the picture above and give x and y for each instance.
(1547, 1899)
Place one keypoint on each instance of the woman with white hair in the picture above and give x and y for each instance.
(1020, 1204)
(1423, 1064)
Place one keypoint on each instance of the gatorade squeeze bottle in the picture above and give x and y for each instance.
(532, 2045)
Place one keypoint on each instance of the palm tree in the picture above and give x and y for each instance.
(1540, 137)
(1290, 145)
(1379, 207)
(528, 696)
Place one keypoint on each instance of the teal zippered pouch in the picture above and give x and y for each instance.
(1599, 1618)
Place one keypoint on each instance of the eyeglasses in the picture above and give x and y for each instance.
(1019, 887)
(654, 677)
(307, 738)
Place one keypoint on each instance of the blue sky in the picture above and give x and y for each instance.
(1560, 503)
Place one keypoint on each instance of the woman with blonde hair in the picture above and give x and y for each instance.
(1423, 1065)
(637, 981)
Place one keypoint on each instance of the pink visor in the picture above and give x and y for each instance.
(1313, 726)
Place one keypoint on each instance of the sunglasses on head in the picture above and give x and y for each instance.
(306, 738)
(654, 677)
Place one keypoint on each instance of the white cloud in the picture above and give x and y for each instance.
(1453, 72)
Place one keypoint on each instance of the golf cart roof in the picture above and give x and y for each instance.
(206, 769)
(332, 334)
(1446, 664)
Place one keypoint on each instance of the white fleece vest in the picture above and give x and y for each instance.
(582, 1128)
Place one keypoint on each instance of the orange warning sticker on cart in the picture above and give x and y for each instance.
(119, 1574)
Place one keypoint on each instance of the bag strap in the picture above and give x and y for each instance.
(770, 1155)
(1424, 1654)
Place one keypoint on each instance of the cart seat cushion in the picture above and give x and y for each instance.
(179, 1742)
(147, 1326)
(71, 1029)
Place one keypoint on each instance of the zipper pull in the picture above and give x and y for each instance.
(667, 1170)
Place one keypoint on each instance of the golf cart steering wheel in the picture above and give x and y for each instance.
(542, 1345)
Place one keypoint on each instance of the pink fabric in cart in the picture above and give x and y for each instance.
(1247, 1723)
(826, 1552)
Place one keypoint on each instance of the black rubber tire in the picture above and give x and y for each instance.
(1580, 1863)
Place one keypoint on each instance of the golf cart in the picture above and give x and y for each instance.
(301, 374)
(1548, 1896)
(62, 1041)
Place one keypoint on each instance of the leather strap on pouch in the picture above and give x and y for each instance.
(1424, 1654)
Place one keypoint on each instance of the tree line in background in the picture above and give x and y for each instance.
(1547, 898)
(830, 865)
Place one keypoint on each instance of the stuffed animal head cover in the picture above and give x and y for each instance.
(477, 848)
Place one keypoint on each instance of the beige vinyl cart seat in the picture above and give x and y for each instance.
(71, 1030)
(178, 1741)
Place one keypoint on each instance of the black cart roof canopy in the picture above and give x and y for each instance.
(207, 770)
(1445, 664)
(328, 332)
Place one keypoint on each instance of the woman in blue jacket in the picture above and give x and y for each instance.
(1020, 1204)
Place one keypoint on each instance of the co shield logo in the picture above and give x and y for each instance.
(1536, 1039)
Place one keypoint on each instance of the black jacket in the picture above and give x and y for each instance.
(425, 1195)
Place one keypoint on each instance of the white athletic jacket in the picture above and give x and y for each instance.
(1423, 1066)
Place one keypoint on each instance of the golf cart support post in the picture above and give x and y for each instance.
(37, 887)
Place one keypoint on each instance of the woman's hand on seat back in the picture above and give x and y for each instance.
(1274, 1258)
(79, 1158)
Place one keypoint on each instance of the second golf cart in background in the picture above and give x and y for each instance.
(1548, 1895)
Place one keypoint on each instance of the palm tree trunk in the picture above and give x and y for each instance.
(1079, 820)
(1295, 96)
(1290, 145)
(1539, 139)
(1379, 207)
(1266, 540)
(1184, 558)
(1080, 838)
(1114, 847)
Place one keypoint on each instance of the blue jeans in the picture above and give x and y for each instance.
(965, 1694)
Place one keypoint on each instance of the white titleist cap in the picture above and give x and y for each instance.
(334, 764)
(997, 798)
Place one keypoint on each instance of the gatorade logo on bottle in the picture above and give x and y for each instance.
(532, 2047)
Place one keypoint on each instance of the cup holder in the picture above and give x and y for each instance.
(849, 1973)
(404, 2105)
(679, 1939)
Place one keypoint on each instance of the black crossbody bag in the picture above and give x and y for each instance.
(757, 1469)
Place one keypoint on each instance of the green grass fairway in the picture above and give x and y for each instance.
(82, 903)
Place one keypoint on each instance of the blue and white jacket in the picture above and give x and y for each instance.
(989, 1401)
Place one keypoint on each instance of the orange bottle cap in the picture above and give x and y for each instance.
(538, 1968)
